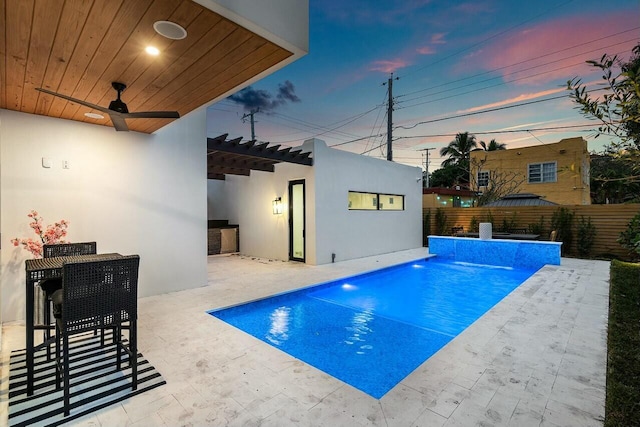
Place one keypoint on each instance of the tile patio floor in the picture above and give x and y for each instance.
(536, 359)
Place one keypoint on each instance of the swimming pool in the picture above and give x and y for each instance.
(372, 330)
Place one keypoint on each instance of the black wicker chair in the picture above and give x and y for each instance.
(97, 294)
(51, 285)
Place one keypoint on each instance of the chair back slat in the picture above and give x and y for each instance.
(99, 293)
(69, 249)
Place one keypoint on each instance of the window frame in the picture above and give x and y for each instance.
(541, 172)
(488, 173)
(377, 201)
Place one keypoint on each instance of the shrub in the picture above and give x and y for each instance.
(488, 217)
(426, 227)
(586, 236)
(562, 221)
(630, 238)
(537, 228)
(508, 225)
(623, 341)
(441, 222)
(474, 224)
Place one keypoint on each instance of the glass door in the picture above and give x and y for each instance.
(296, 221)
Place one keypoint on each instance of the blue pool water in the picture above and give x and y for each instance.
(372, 330)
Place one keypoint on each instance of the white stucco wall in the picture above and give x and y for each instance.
(354, 234)
(130, 192)
(250, 201)
(216, 209)
(330, 226)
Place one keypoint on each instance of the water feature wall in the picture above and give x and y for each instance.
(503, 253)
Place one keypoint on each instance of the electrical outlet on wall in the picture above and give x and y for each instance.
(65, 164)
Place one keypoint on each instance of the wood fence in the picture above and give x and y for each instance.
(608, 220)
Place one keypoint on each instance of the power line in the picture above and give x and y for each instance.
(493, 132)
(492, 86)
(513, 73)
(481, 112)
(528, 60)
(487, 39)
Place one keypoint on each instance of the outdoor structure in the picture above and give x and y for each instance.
(441, 197)
(520, 199)
(141, 192)
(341, 207)
(558, 172)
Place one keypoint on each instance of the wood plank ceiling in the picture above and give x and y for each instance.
(78, 47)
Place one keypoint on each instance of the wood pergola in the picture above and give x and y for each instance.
(236, 158)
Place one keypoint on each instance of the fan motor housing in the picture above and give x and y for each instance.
(119, 106)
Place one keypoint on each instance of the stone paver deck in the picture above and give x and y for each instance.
(537, 358)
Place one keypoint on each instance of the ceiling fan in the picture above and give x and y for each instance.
(118, 110)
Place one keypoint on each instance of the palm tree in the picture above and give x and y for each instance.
(493, 145)
(458, 150)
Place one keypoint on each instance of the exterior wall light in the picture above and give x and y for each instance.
(277, 206)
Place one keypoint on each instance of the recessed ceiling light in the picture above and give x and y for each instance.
(151, 50)
(94, 115)
(170, 30)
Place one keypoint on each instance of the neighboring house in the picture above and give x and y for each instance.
(557, 172)
(441, 197)
(341, 207)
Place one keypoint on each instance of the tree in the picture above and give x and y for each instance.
(499, 184)
(458, 153)
(618, 109)
(612, 178)
(448, 176)
(493, 145)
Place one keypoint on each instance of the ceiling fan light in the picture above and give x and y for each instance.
(170, 30)
(152, 50)
(94, 116)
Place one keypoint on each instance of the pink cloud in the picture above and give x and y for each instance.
(438, 38)
(543, 40)
(429, 48)
(388, 66)
(520, 98)
(426, 50)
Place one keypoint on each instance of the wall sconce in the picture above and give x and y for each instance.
(277, 206)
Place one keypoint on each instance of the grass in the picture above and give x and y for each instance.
(623, 346)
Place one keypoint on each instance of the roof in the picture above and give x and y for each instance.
(521, 199)
(448, 191)
(236, 158)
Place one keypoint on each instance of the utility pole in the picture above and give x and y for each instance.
(390, 119)
(426, 166)
(250, 115)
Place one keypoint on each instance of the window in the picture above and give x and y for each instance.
(391, 202)
(542, 172)
(483, 178)
(375, 201)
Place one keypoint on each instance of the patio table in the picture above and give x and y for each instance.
(37, 270)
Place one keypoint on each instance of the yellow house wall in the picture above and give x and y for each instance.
(572, 173)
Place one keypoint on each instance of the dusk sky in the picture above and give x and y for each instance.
(451, 58)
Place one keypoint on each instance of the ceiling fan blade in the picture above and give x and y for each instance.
(77, 101)
(118, 122)
(153, 115)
